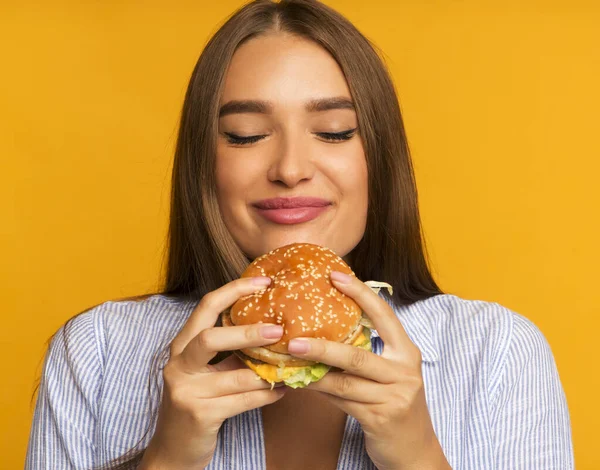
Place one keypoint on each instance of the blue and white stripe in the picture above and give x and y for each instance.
(492, 387)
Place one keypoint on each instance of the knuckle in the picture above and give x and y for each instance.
(174, 348)
(208, 301)
(342, 384)
(210, 418)
(169, 372)
(412, 381)
(415, 390)
(358, 358)
(248, 399)
(239, 380)
(417, 383)
(379, 418)
(204, 340)
(403, 405)
(177, 397)
(252, 333)
(404, 401)
(416, 356)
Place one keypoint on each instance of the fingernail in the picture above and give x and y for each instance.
(300, 346)
(261, 281)
(340, 277)
(271, 331)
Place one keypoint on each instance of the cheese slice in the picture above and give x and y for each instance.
(359, 340)
(272, 373)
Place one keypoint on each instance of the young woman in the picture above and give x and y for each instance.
(289, 101)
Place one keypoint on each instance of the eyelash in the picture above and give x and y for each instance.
(331, 136)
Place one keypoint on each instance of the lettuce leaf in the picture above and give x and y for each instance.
(307, 375)
(314, 373)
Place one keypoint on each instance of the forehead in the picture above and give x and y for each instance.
(284, 69)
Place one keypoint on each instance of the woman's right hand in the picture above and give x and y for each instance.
(198, 397)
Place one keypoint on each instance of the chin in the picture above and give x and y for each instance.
(341, 248)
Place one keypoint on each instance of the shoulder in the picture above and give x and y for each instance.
(156, 316)
(480, 330)
(125, 327)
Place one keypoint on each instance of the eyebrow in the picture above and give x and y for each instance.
(266, 107)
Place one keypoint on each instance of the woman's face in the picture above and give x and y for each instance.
(283, 175)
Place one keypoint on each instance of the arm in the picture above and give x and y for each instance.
(529, 415)
(62, 431)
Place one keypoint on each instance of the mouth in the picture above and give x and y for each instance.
(288, 211)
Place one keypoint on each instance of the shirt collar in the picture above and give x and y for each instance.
(418, 322)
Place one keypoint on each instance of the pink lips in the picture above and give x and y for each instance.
(291, 210)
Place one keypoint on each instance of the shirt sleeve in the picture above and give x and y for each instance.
(530, 417)
(63, 426)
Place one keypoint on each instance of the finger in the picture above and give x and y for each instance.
(350, 387)
(206, 313)
(381, 314)
(357, 410)
(232, 382)
(352, 359)
(205, 345)
(232, 405)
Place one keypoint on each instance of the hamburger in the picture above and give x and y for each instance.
(302, 299)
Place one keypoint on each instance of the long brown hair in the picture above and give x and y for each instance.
(202, 254)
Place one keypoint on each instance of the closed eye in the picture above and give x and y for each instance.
(337, 136)
(329, 136)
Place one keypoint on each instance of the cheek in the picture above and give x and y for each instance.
(229, 187)
(233, 176)
(225, 179)
(350, 175)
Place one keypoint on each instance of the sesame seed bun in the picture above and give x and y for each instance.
(301, 298)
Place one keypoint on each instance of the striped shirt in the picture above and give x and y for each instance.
(491, 383)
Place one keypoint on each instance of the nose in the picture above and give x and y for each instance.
(293, 164)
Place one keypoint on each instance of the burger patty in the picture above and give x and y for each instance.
(242, 356)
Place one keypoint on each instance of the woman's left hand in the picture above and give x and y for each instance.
(384, 393)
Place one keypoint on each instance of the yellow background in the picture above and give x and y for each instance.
(501, 107)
